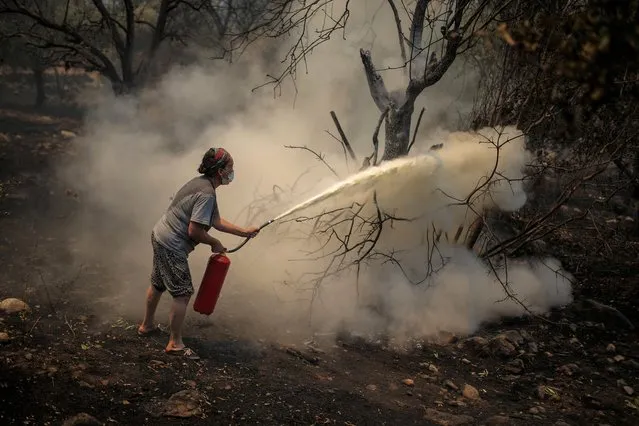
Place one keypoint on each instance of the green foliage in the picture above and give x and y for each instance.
(563, 70)
(594, 47)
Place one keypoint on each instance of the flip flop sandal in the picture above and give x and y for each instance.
(154, 331)
(186, 352)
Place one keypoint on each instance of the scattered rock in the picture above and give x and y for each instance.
(513, 369)
(597, 403)
(533, 347)
(82, 419)
(67, 134)
(515, 366)
(4, 338)
(87, 385)
(372, 388)
(186, 403)
(446, 419)
(611, 348)
(465, 361)
(500, 345)
(497, 420)
(526, 335)
(449, 384)
(619, 358)
(628, 390)
(444, 338)
(456, 403)
(13, 306)
(568, 369)
(631, 363)
(538, 409)
(470, 392)
(433, 369)
(408, 382)
(477, 343)
(513, 336)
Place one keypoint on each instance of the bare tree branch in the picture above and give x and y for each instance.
(344, 139)
(375, 140)
(400, 33)
(416, 31)
(375, 82)
(320, 157)
(419, 120)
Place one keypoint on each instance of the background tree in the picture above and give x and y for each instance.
(566, 73)
(121, 38)
(15, 55)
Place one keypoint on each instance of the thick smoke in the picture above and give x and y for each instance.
(139, 151)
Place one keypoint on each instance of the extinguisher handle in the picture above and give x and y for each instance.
(238, 247)
(248, 238)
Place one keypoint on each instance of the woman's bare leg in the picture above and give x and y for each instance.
(176, 320)
(152, 299)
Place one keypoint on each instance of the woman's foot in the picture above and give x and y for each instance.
(182, 351)
(146, 330)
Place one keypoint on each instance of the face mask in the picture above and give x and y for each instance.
(226, 179)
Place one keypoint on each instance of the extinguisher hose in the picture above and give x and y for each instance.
(246, 240)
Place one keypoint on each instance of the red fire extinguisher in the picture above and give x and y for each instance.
(213, 280)
(212, 283)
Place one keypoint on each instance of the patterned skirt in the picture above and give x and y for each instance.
(170, 271)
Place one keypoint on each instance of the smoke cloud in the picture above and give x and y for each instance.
(137, 152)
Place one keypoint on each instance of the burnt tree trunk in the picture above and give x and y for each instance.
(38, 80)
(58, 84)
(400, 114)
(397, 124)
(123, 38)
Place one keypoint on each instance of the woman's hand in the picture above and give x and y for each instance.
(252, 232)
(217, 247)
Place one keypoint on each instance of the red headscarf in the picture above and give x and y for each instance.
(214, 159)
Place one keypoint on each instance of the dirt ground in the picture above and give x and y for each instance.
(60, 363)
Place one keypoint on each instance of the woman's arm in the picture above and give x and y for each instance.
(223, 225)
(197, 232)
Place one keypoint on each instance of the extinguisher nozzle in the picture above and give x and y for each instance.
(267, 223)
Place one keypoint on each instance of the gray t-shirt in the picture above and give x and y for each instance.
(196, 202)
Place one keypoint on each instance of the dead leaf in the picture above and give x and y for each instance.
(502, 31)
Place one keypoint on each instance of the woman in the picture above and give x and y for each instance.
(185, 224)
